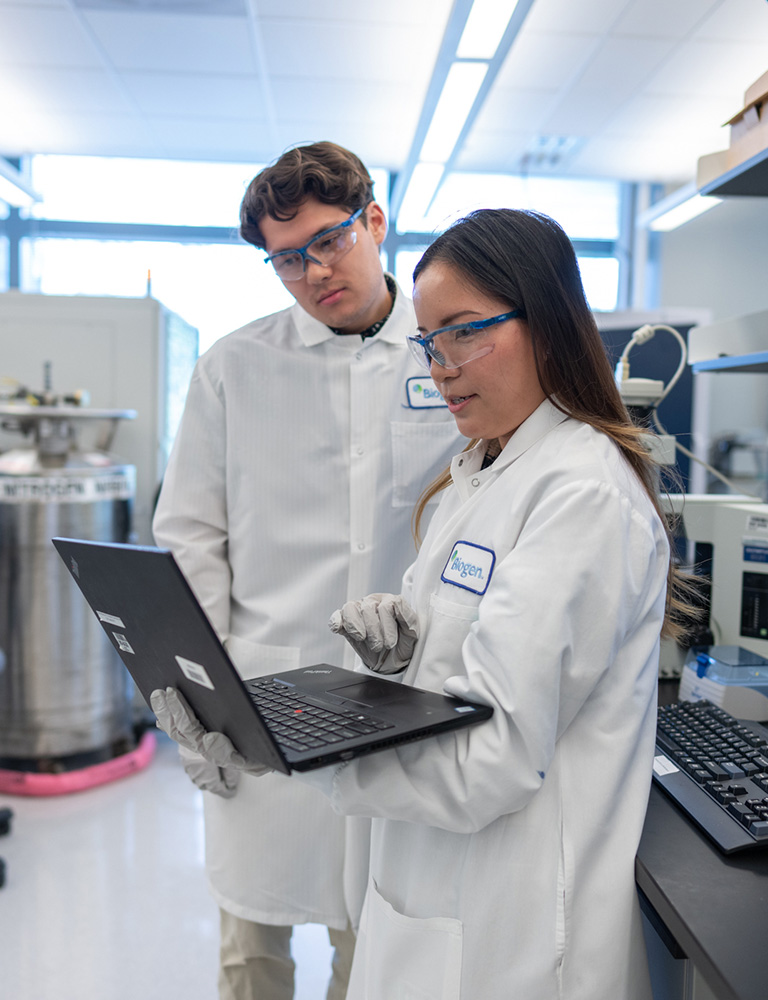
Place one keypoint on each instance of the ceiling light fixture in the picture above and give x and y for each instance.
(676, 209)
(484, 29)
(476, 41)
(458, 95)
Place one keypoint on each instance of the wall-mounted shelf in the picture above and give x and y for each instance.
(749, 178)
(739, 363)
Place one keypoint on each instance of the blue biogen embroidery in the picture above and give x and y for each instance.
(422, 393)
(470, 567)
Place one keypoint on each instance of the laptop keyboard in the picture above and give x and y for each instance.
(297, 723)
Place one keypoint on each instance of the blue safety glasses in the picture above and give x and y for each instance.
(324, 249)
(454, 346)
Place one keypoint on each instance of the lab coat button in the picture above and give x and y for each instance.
(361, 545)
(475, 482)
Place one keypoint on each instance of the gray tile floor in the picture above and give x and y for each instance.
(106, 899)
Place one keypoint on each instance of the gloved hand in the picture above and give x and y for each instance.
(381, 628)
(176, 718)
(209, 777)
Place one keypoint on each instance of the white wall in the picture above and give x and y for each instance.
(719, 262)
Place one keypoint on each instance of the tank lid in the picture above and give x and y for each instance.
(68, 412)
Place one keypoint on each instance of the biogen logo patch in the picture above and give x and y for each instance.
(422, 394)
(470, 567)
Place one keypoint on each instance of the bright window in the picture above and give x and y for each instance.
(216, 288)
(586, 209)
(156, 192)
(599, 275)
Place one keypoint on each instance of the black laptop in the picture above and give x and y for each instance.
(296, 720)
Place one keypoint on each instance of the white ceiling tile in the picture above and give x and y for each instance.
(662, 19)
(98, 135)
(634, 160)
(585, 17)
(303, 51)
(182, 138)
(624, 64)
(643, 84)
(378, 144)
(60, 90)
(546, 61)
(193, 95)
(404, 12)
(335, 100)
(657, 119)
(174, 43)
(41, 36)
(501, 152)
(737, 21)
(511, 110)
(711, 69)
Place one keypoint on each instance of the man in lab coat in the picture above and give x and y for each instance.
(306, 440)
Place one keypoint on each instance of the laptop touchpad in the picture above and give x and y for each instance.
(372, 691)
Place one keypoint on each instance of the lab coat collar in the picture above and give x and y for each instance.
(313, 332)
(469, 463)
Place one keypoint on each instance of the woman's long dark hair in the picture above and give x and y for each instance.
(526, 260)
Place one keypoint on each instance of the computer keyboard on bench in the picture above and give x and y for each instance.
(715, 767)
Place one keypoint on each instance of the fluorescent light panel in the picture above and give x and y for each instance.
(683, 213)
(418, 195)
(459, 92)
(676, 208)
(485, 28)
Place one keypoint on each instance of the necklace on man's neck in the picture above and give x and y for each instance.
(373, 329)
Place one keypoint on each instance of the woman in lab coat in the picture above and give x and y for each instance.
(502, 856)
(502, 859)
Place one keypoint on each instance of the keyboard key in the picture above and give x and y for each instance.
(743, 814)
(734, 771)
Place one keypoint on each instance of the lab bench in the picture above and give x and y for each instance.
(704, 906)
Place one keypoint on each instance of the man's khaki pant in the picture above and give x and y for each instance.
(256, 962)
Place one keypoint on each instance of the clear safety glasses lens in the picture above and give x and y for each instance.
(325, 249)
(454, 346)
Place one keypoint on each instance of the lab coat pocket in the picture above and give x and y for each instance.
(439, 656)
(420, 452)
(254, 659)
(406, 957)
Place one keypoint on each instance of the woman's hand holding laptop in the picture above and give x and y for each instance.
(176, 718)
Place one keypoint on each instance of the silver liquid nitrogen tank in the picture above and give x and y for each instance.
(65, 697)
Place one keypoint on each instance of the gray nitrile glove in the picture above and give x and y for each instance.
(209, 777)
(381, 628)
(176, 718)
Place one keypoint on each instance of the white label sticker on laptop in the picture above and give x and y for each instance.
(123, 643)
(110, 619)
(195, 672)
(470, 567)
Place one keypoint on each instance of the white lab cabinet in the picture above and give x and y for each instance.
(128, 353)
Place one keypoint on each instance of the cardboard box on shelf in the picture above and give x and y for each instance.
(748, 136)
(758, 88)
(751, 116)
(710, 167)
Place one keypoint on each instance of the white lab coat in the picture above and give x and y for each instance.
(289, 490)
(502, 857)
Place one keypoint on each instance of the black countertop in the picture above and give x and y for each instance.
(714, 905)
